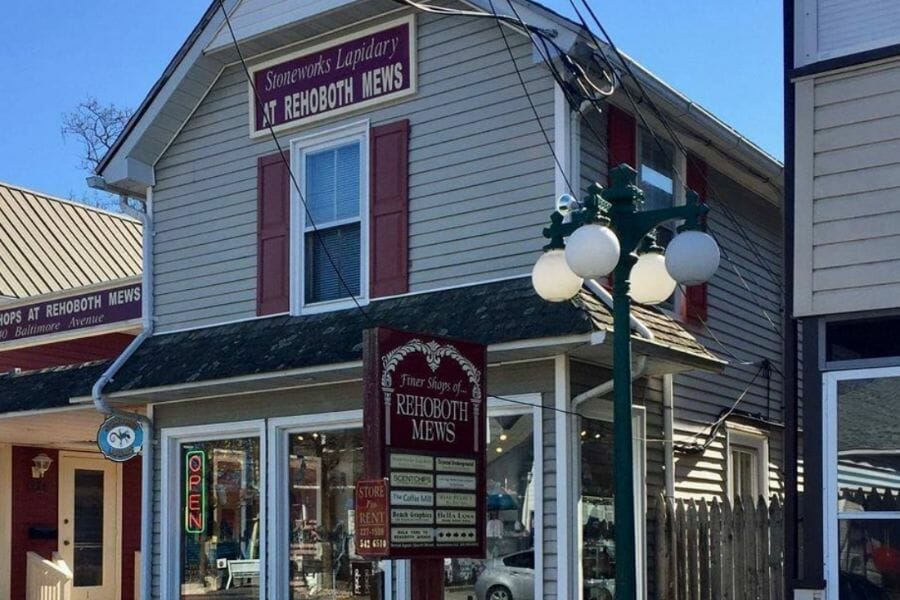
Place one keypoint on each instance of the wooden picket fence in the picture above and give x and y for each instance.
(713, 551)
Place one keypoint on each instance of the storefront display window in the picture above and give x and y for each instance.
(598, 515)
(323, 468)
(220, 501)
(867, 491)
(509, 567)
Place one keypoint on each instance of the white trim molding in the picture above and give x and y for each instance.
(830, 512)
(738, 437)
(170, 494)
(358, 132)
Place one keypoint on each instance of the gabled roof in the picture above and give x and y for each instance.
(265, 25)
(49, 245)
(501, 312)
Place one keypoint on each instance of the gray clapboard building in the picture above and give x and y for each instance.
(842, 69)
(414, 196)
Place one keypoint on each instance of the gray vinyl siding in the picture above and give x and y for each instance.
(846, 26)
(480, 177)
(744, 300)
(855, 232)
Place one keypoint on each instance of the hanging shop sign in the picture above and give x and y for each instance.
(365, 68)
(195, 491)
(71, 313)
(425, 406)
(120, 439)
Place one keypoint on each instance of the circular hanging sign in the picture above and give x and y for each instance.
(120, 439)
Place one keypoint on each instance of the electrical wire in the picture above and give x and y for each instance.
(290, 171)
(537, 117)
(668, 126)
(691, 448)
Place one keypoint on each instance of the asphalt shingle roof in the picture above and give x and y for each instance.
(47, 388)
(491, 313)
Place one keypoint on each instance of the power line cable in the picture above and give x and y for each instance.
(667, 125)
(290, 171)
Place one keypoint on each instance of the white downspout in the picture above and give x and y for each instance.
(669, 432)
(100, 403)
(641, 363)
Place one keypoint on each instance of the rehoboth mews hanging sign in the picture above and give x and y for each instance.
(425, 408)
(358, 70)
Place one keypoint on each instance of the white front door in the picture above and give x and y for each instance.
(88, 532)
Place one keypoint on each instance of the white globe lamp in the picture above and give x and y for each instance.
(552, 278)
(650, 281)
(692, 257)
(592, 251)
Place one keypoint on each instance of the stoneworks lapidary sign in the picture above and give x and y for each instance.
(358, 70)
(60, 315)
(425, 420)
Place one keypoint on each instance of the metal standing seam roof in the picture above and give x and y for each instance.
(48, 244)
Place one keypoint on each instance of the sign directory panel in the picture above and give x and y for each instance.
(426, 415)
(371, 66)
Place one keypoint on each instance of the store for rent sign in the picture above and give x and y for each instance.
(425, 439)
(61, 315)
(359, 70)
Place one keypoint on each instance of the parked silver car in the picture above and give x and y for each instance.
(507, 578)
(512, 578)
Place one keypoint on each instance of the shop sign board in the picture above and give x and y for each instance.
(359, 70)
(70, 313)
(426, 423)
(195, 491)
(120, 439)
(371, 518)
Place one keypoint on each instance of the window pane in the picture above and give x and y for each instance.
(347, 192)
(320, 184)
(322, 474)
(862, 339)
(869, 445)
(510, 518)
(88, 541)
(657, 175)
(221, 528)
(333, 184)
(598, 516)
(332, 251)
(744, 484)
(869, 558)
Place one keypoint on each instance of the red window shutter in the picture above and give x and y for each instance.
(622, 134)
(696, 298)
(273, 198)
(389, 209)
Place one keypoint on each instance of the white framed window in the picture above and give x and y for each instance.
(315, 461)
(661, 169)
(748, 463)
(861, 462)
(595, 481)
(216, 540)
(330, 219)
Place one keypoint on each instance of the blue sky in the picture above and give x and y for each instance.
(724, 55)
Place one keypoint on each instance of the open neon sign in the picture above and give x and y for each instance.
(195, 491)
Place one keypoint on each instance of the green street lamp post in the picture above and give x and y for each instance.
(607, 233)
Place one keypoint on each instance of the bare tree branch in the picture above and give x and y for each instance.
(95, 127)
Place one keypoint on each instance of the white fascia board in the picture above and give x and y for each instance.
(123, 170)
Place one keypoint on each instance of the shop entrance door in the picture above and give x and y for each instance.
(88, 533)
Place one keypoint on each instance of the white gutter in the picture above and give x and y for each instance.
(641, 365)
(100, 403)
